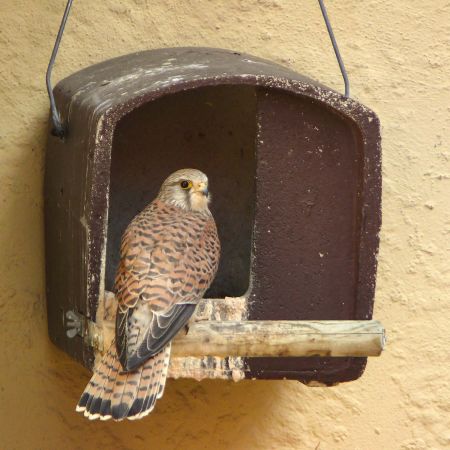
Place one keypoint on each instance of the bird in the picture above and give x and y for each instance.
(169, 256)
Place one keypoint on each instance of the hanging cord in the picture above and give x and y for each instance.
(60, 130)
(335, 48)
(58, 127)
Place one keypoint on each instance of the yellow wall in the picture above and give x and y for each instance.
(398, 58)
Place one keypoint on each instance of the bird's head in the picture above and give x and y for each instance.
(187, 189)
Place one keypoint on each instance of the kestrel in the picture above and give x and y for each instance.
(169, 257)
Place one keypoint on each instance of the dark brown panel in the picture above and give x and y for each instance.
(66, 235)
(306, 262)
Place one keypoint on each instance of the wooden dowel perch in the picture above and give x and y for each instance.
(281, 338)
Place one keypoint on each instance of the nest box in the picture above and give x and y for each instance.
(294, 169)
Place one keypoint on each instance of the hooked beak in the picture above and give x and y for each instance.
(202, 188)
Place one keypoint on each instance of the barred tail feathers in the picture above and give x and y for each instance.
(114, 394)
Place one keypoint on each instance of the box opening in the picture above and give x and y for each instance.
(212, 129)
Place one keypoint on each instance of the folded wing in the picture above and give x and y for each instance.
(168, 260)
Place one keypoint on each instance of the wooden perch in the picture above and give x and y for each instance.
(281, 338)
(218, 329)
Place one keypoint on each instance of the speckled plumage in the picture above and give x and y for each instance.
(169, 257)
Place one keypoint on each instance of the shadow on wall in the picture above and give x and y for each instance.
(191, 415)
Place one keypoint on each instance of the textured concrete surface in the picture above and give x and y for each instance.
(398, 57)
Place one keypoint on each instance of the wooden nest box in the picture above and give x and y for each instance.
(294, 169)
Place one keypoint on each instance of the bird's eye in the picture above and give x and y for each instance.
(186, 184)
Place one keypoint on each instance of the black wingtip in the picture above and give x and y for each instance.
(83, 400)
(105, 408)
(149, 401)
(89, 402)
(95, 406)
(120, 411)
(136, 407)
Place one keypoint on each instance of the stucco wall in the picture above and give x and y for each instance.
(398, 57)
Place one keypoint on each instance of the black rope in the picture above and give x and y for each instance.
(58, 127)
(335, 48)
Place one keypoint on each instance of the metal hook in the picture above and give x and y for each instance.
(58, 127)
(335, 48)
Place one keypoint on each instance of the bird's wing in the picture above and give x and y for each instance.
(167, 263)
